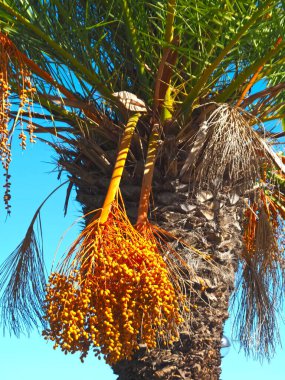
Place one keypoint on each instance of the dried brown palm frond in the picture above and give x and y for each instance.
(256, 320)
(226, 151)
(22, 284)
(261, 281)
(23, 281)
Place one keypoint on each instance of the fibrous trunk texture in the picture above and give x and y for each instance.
(211, 224)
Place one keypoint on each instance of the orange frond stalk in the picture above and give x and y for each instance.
(119, 167)
(162, 92)
(148, 175)
(276, 203)
(249, 85)
(178, 269)
(254, 77)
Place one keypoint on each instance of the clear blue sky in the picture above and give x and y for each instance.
(32, 358)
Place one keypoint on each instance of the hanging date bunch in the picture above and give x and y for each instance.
(112, 291)
(15, 77)
(115, 295)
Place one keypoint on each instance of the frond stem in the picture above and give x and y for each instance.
(254, 77)
(132, 36)
(119, 166)
(148, 175)
(226, 94)
(169, 29)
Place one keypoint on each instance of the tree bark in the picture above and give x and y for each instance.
(211, 224)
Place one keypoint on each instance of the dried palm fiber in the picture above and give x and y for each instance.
(261, 278)
(112, 290)
(23, 281)
(226, 151)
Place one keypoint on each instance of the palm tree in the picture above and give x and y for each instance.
(156, 111)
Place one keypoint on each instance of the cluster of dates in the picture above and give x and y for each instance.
(116, 296)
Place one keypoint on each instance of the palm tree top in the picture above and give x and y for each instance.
(200, 79)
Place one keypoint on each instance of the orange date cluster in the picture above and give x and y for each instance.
(117, 296)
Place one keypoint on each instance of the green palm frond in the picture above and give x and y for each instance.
(119, 53)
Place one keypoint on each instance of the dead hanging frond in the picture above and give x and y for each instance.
(22, 284)
(225, 151)
(261, 281)
(256, 323)
(23, 281)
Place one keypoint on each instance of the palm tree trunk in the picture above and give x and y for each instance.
(210, 223)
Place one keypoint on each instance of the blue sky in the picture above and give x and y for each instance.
(33, 358)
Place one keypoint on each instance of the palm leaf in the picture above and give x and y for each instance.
(22, 285)
(23, 281)
(261, 277)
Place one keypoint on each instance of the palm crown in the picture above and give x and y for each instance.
(186, 86)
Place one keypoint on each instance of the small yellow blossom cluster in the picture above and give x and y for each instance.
(14, 70)
(5, 90)
(117, 296)
(26, 93)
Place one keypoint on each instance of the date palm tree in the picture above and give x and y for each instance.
(157, 112)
